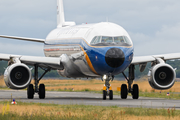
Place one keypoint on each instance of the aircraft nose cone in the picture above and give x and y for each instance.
(114, 57)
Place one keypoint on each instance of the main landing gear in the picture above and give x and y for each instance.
(41, 90)
(107, 89)
(128, 89)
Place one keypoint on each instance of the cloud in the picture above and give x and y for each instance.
(22, 49)
(166, 40)
(153, 25)
(169, 32)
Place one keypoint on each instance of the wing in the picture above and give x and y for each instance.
(46, 62)
(145, 59)
(23, 38)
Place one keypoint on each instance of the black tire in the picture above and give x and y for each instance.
(110, 95)
(135, 93)
(41, 91)
(30, 92)
(104, 94)
(124, 91)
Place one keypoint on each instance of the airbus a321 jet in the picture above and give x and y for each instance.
(100, 50)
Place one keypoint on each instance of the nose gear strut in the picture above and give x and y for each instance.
(107, 89)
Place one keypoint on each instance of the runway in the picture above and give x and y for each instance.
(87, 98)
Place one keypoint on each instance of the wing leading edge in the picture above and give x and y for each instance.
(46, 62)
(144, 59)
(23, 38)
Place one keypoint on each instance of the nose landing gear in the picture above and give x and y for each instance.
(107, 89)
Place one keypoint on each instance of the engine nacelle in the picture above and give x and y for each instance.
(17, 76)
(161, 76)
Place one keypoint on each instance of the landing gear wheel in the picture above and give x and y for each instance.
(110, 94)
(30, 92)
(135, 93)
(104, 94)
(41, 91)
(124, 91)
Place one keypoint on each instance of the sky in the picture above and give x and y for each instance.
(153, 25)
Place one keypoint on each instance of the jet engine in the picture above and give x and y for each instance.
(17, 76)
(161, 76)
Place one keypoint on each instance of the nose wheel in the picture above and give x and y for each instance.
(104, 94)
(107, 89)
(110, 94)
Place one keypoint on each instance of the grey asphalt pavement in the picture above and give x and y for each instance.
(87, 98)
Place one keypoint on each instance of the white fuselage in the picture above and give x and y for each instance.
(75, 42)
(85, 31)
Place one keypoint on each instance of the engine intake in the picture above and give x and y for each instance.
(17, 76)
(161, 76)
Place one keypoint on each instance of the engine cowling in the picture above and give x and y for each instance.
(17, 76)
(161, 76)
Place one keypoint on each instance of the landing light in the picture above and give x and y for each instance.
(104, 77)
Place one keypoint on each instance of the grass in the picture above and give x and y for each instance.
(160, 95)
(36, 111)
(172, 95)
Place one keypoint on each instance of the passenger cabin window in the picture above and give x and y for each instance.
(114, 40)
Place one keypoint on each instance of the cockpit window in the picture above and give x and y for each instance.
(127, 40)
(93, 40)
(113, 40)
(96, 39)
(107, 40)
(119, 39)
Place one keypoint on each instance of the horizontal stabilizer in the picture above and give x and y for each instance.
(25, 39)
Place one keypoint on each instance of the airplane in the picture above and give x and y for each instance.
(100, 50)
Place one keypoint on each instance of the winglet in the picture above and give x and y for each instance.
(60, 16)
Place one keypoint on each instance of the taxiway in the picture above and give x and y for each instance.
(87, 98)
